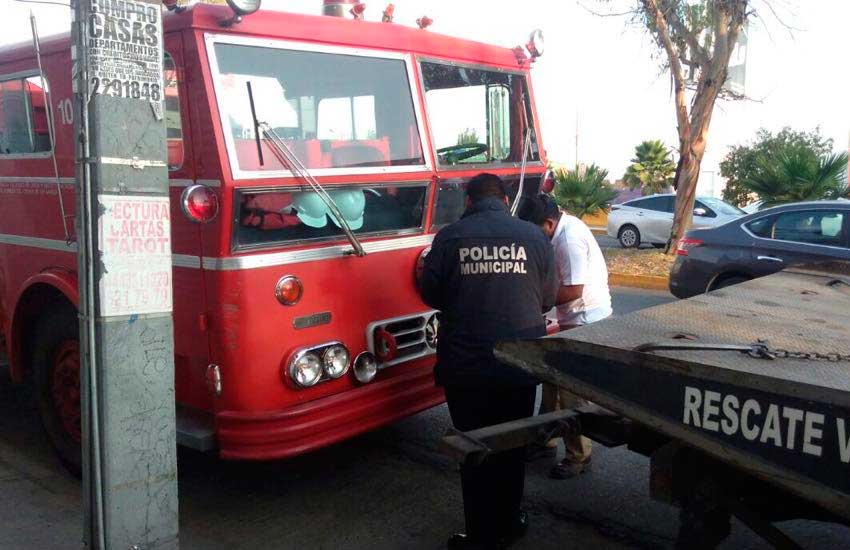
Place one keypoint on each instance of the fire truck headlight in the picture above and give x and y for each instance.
(244, 7)
(336, 360)
(365, 367)
(305, 369)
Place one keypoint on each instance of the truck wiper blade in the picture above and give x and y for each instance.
(285, 155)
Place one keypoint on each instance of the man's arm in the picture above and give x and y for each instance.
(430, 287)
(549, 294)
(573, 257)
(567, 294)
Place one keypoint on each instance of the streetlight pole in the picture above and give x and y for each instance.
(123, 236)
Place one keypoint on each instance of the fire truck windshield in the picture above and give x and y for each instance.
(477, 116)
(334, 110)
(295, 215)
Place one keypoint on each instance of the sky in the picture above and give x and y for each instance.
(600, 77)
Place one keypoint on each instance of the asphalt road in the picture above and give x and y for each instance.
(389, 489)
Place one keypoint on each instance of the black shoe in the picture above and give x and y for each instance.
(567, 469)
(536, 451)
(459, 541)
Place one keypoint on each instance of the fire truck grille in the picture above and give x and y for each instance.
(409, 335)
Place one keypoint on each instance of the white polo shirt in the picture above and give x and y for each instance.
(580, 262)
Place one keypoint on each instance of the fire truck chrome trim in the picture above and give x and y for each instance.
(298, 256)
(38, 242)
(188, 182)
(211, 39)
(40, 180)
(425, 317)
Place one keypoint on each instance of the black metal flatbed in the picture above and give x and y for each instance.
(784, 420)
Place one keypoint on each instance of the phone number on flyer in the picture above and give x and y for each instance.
(132, 89)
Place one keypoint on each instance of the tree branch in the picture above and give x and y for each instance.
(700, 56)
(663, 34)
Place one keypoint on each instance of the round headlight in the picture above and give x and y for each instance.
(535, 44)
(244, 7)
(365, 367)
(335, 359)
(305, 369)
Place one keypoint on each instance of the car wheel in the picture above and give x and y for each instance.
(629, 236)
(730, 281)
(56, 377)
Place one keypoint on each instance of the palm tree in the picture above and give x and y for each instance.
(800, 176)
(583, 191)
(652, 169)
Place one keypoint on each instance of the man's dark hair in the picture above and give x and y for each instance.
(539, 208)
(484, 186)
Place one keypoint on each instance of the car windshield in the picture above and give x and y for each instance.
(297, 214)
(332, 110)
(477, 116)
(721, 207)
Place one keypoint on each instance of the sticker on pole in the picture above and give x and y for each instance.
(125, 49)
(135, 248)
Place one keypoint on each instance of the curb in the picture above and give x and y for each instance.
(639, 281)
(599, 230)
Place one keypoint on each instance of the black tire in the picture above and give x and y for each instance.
(54, 334)
(629, 236)
(730, 281)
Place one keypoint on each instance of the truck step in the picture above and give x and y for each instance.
(195, 429)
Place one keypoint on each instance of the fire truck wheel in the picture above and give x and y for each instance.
(56, 380)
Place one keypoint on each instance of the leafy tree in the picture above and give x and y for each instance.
(696, 38)
(468, 137)
(583, 192)
(799, 175)
(652, 169)
(742, 161)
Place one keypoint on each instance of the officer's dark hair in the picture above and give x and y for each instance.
(484, 186)
(539, 208)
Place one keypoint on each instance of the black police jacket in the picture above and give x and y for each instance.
(492, 276)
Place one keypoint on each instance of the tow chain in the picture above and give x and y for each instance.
(759, 350)
(812, 356)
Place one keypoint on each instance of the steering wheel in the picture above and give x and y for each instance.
(456, 153)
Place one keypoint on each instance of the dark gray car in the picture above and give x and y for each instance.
(761, 244)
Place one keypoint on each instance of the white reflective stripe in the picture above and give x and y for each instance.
(135, 162)
(29, 179)
(299, 256)
(38, 242)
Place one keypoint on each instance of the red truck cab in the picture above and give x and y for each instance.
(285, 341)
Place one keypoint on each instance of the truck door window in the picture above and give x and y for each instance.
(173, 124)
(23, 116)
(334, 110)
(477, 116)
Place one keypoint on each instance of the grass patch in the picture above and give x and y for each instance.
(629, 261)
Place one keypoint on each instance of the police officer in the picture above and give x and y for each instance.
(492, 276)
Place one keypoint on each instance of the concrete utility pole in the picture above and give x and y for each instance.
(124, 238)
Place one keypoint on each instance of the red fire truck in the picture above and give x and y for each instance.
(311, 159)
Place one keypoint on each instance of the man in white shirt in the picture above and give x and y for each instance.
(583, 298)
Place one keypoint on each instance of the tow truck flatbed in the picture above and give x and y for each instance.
(774, 415)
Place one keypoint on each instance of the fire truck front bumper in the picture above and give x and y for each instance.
(270, 435)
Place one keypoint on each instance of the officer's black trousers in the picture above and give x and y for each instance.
(492, 491)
